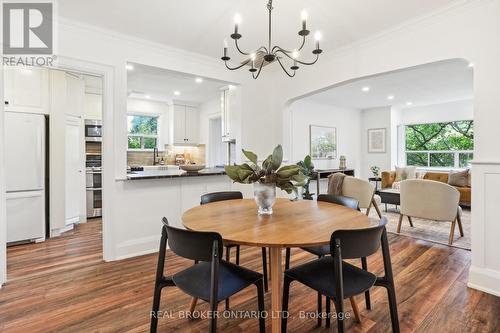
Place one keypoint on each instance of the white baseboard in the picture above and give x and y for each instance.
(137, 247)
(58, 232)
(485, 280)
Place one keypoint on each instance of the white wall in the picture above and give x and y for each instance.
(346, 121)
(371, 119)
(436, 113)
(208, 110)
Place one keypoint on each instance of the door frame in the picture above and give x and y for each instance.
(106, 72)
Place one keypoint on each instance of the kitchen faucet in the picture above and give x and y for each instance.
(155, 155)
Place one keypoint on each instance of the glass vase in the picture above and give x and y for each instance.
(265, 197)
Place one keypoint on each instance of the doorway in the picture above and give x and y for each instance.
(61, 102)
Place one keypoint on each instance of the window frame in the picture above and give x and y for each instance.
(144, 136)
(456, 153)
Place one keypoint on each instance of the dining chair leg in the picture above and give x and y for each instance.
(213, 320)
(320, 309)
(409, 220)
(374, 203)
(287, 258)
(339, 310)
(452, 232)
(237, 255)
(156, 308)
(400, 222)
(264, 268)
(228, 259)
(284, 305)
(460, 227)
(328, 311)
(260, 300)
(192, 306)
(393, 308)
(355, 309)
(364, 265)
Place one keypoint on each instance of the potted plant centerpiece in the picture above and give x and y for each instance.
(266, 177)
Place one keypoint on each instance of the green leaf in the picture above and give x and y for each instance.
(250, 155)
(232, 172)
(277, 157)
(288, 171)
(267, 164)
(307, 161)
(244, 175)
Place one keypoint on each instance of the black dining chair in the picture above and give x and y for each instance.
(338, 280)
(211, 279)
(322, 251)
(233, 195)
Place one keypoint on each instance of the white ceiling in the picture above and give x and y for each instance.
(201, 25)
(423, 85)
(159, 84)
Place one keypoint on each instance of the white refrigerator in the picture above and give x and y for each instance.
(25, 176)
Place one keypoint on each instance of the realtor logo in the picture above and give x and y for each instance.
(27, 28)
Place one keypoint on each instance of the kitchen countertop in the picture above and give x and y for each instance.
(158, 174)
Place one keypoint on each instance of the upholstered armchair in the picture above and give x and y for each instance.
(431, 200)
(362, 191)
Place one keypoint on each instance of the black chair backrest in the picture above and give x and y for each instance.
(358, 243)
(340, 200)
(220, 196)
(194, 245)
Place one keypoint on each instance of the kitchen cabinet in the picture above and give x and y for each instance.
(185, 125)
(74, 166)
(230, 102)
(26, 90)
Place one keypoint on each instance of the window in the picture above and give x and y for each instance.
(440, 145)
(142, 132)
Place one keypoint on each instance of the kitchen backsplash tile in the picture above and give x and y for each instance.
(191, 155)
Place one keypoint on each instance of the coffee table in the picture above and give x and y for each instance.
(390, 196)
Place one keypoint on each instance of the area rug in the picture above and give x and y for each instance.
(433, 231)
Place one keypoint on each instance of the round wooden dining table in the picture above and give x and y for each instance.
(301, 223)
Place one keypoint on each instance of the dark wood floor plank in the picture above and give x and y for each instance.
(63, 285)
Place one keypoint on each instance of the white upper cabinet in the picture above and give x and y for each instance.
(26, 90)
(75, 95)
(185, 125)
(230, 103)
(192, 125)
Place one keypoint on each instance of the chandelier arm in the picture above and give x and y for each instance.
(298, 61)
(255, 76)
(284, 69)
(237, 67)
(260, 49)
(287, 51)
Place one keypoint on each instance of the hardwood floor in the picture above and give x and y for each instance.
(63, 285)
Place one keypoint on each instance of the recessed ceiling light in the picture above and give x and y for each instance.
(198, 80)
(177, 93)
(471, 65)
(365, 89)
(147, 96)
(390, 97)
(409, 103)
(129, 67)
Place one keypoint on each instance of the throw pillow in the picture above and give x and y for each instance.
(405, 173)
(458, 178)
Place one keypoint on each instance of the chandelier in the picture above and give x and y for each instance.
(263, 54)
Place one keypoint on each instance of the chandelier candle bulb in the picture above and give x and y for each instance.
(303, 16)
